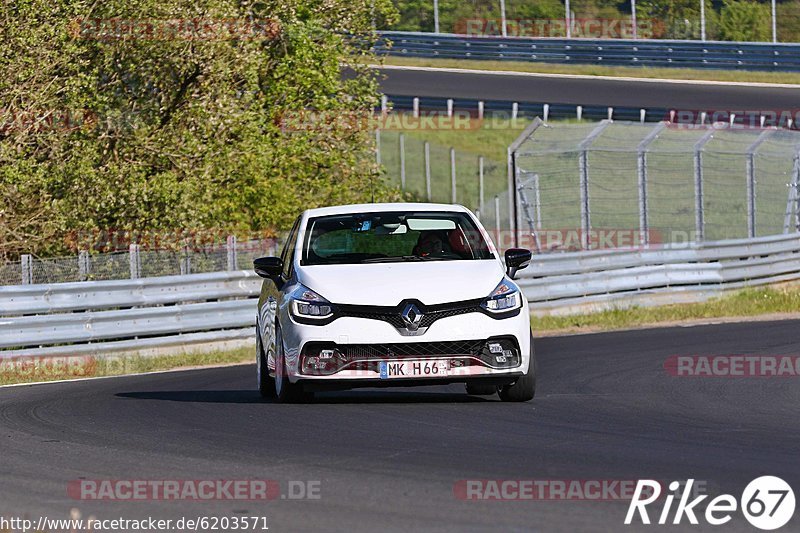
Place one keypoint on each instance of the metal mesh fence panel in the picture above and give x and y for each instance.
(668, 183)
(11, 273)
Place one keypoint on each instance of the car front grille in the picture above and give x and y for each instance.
(430, 313)
(353, 352)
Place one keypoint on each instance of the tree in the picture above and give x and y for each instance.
(167, 114)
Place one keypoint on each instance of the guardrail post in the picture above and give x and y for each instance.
(231, 248)
(26, 262)
(453, 174)
(579, 112)
(449, 107)
(514, 111)
(415, 107)
(384, 104)
(642, 113)
(135, 261)
(480, 110)
(84, 265)
(428, 170)
(402, 147)
(546, 112)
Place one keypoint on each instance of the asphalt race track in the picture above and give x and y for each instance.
(389, 459)
(589, 91)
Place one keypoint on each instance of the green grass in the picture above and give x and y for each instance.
(29, 370)
(745, 303)
(595, 70)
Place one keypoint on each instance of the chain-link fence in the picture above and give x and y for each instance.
(431, 171)
(620, 184)
(137, 262)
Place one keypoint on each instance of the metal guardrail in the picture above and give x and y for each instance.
(181, 311)
(615, 52)
(569, 281)
(127, 315)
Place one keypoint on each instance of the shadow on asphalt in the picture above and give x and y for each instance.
(339, 397)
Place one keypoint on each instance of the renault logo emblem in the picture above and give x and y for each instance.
(412, 316)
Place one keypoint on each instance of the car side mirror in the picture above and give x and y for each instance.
(517, 259)
(268, 267)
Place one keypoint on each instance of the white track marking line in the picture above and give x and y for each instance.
(154, 372)
(588, 77)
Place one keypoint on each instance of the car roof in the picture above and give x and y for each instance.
(383, 207)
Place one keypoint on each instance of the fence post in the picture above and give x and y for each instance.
(583, 169)
(497, 220)
(480, 184)
(751, 179)
(700, 224)
(135, 261)
(231, 248)
(84, 265)
(512, 193)
(793, 201)
(453, 174)
(641, 165)
(428, 170)
(186, 261)
(378, 146)
(402, 148)
(27, 269)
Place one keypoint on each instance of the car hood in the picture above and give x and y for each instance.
(388, 284)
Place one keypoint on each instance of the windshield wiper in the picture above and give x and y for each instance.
(403, 258)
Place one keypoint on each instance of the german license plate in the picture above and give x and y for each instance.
(414, 369)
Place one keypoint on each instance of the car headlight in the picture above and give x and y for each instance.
(308, 305)
(504, 298)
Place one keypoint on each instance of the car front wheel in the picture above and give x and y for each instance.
(266, 384)
(524, 388)
(285, 390)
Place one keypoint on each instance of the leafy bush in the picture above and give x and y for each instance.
(144, 133)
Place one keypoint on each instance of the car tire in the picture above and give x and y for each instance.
(285, 390)
(474, 389)
(524, 388)
(266, 383)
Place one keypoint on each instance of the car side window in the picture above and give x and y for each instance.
(288, 250)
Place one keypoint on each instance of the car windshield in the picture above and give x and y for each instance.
(393, 237)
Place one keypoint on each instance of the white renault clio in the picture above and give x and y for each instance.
(397, 294)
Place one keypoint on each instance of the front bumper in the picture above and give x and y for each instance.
(350, 350)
